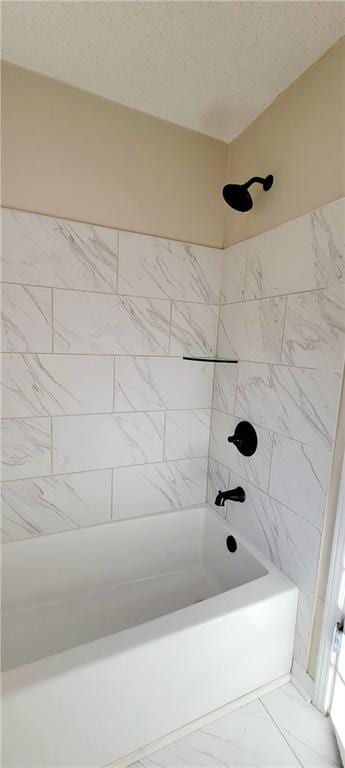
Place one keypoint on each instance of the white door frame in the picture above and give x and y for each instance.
(324, 677)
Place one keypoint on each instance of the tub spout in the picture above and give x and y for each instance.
(236, 494)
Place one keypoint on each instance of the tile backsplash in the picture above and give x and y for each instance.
(102, 419)
(282, 315)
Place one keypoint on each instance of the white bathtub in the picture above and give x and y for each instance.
(116, 635)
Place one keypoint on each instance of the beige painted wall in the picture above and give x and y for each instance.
(300, 138)
(69, 153)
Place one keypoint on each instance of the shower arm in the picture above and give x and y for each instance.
(253, 180)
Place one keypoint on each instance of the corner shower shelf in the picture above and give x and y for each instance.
(211, 359)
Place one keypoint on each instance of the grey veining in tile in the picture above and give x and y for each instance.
(217, 480)
(106, 440)
(193, 329)
(26, 318)
(303, 629)
(159, 383)
(309, 734)
(187, 433)
(246, 737)
(252, 330)
(303, 254)
(43, 385)
(42, 250)
(297, 402)
(233, 273)
(254, 468)
(159, 487)
(224, 388)
(299, 478)
(26, 447)
(50, 504)
(167, 269)
(99, 323)
(288, 540)
(315, 329)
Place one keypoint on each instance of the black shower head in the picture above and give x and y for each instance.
(237, 195)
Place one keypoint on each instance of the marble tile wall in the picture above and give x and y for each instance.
(282, 315)
(101, 416)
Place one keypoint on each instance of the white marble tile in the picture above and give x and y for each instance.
(309, 733)
(254, 468)
(246, 737)
(187, 433)
(303, 629)
(303, 254)
(299, 478)
(224, 388)
(26, 318)
(290, 542)
(92, 322)
(41, 250)
(217, 480)
(252, 330)
(43, 385)
(233, 273)
(314, 332)
(193, 329)
(159, 383)
(296, 402)
(26, 448)
(50, 504)
(158, 487)
(107, 440)
(167, 269)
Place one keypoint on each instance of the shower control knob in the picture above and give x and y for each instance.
(244, 438)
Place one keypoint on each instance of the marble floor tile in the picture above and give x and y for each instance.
(252, 330)
(299, 478)
(246, 737)
(49, 504)
(167, 269)
(314, 333)
(224, 388)
(301, 255)
(161, 383)
(42, 250)
(106, 440)
(26, 319)
(309, 734)
(187, 433)
(303, 628)
(193, 329)
(87, 323)
(254, 468)
(300, 403)
(158, 487)
(50, 385)
(233, 273)
(289, 541)
(26, 448)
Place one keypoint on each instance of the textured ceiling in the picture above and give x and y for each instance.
(210, 66)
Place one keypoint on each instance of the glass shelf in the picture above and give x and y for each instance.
(211, 359)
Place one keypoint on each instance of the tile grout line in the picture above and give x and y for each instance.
(281, 732)
(114, 385)
(52, 322)
(325, 287)
(169, 356)
(102, 469)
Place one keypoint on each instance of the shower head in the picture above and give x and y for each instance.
(237, 195)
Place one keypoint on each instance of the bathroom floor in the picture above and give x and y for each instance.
(278, 729)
